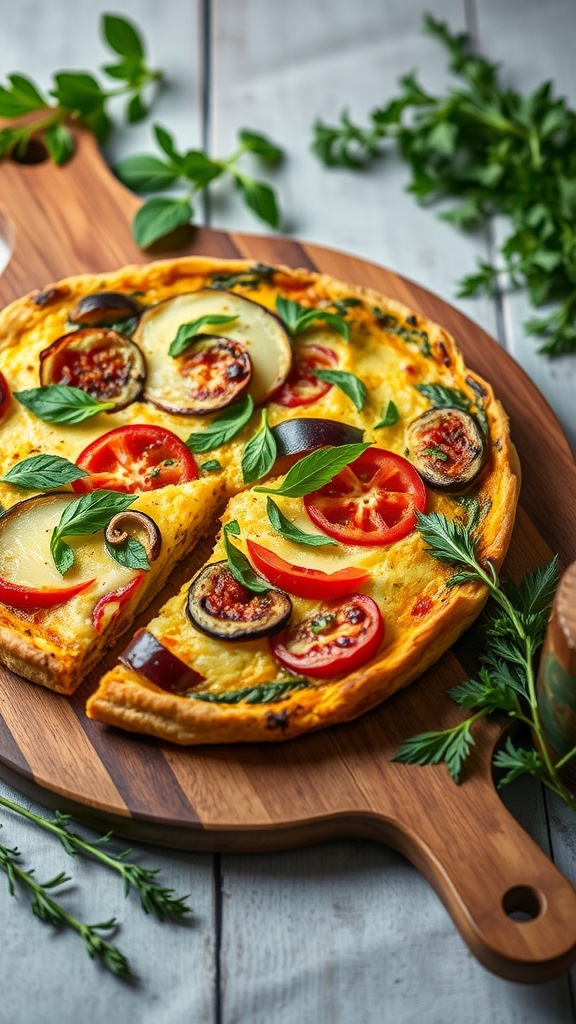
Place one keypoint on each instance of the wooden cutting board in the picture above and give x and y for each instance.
(339, 782)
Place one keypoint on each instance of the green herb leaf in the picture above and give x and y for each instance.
(21, 97)
(60, 143)
(448, 541)
(210, 466)
(187, 332)
(260, 453)
(61, 403)
(131, 554)
(260, 198)
(256, 143)
(444, 397)
(349, 383)
(43, 472)
(145, 173)
(83, 516)
(264, 693)
(450, 746)
(240, 567)
(158, 217)
(233, 528)
(78, 91)
(298, 318)
(390, 416)
(289, 531)
(122, 36)
(436, 453)
(223, 428)
(255, 276)
(316, 470)
(519, 761)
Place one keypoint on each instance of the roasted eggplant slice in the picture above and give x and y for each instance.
(221, 607)
(447, 448)
(258, 330)
(103, 363)
(147, 656)
(298, 437)
(207, 377)
(101, 308)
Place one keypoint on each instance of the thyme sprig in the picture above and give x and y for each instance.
(493, 150)
(154, 898)
(506, 680)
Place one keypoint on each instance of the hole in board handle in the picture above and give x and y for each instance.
(523, 903)
(34, 153)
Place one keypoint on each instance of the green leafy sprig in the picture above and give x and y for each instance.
(239, 565)
(315, 470)
(81, 517)
(43, 472)
(351, 385)
(260, 453)
(493, 150)
(78, 96)
(390, 416)
(289, 531)
(187, 332)
(264, 693)
(191, 172)
(506, 680)
(61, 403)
(298, 318)
(223, 428)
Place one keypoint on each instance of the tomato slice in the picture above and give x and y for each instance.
(303, 582)
(108, 608)
(374, 500)
(26, 598)
(138, 457)
(340, 637)
(301, 387)
(4, 395)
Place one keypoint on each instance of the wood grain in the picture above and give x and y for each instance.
(340, 782)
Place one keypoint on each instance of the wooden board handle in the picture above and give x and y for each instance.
(488, 873)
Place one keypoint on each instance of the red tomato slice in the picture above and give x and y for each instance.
(340, 637)
(138, 457)
(301, 387)
(4, 395)
(374, 500)
(26, 598)
(302, 582)
(109, 607)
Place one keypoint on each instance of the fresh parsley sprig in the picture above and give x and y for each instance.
(193, 171)
(493, 150)
(298, 318)
(506, 681)
(83, 516)
(315, 470)
(154, 898)
(79, 96)
(45, 907)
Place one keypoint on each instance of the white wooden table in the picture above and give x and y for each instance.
(348, 931)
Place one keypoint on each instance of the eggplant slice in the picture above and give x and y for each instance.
(447, 447)
(101, 308)
(219, 606)
(107, 365)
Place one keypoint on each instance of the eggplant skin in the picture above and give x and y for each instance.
(101, 308)
(219, 606)
(447, 448)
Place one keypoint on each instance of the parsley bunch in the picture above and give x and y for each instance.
(506, 680)
(193, 171)
(496, 152)
(78, 96)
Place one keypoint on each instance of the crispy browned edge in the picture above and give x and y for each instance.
(126, 700)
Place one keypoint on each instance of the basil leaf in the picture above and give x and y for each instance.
(211, 466)
(145, 173)
(264, 693)
(197, 167)
(443, 397)
(316, 470)
(223, 428)
(122, 36)
(260, 453)
(59, 143)
(187, 332)
(242, 570)
(78, 91)
(158, 217)
(289, 531)
(298, 318)
(349, 383)
(42, 472)
(233, 527)
(85, 515)
(389, 417)
(256, 275)
(131, 554)
(21, 98)
(61, 403)
(260, 198)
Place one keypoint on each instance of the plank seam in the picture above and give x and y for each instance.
(206, 95)
(218, 882)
